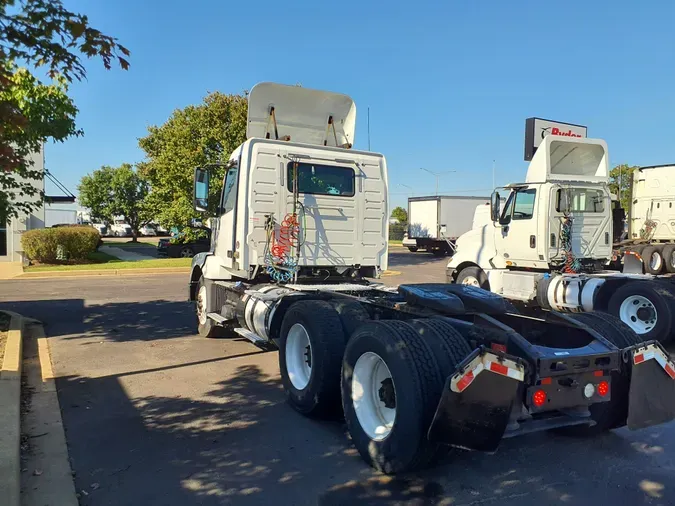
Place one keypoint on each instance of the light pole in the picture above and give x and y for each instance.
(437, 175)
(412, 192)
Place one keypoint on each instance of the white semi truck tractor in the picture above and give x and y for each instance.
(298, 233)
(549, 244)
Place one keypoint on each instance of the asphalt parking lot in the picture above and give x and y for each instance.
(155, 415)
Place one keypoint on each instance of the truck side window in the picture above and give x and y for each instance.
(229, 190)
(524, 206)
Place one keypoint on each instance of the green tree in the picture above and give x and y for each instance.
(96, 194)
(192, 137)
(620, 182)
(47, 113)
(40, 33)
(114, 191)
(400, 214)
(129, 193)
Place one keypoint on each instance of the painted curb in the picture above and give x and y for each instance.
(107, 272)
(10, 413)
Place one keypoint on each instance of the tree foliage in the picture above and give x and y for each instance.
(116, 191)
(48, 113)
(40, 33)
(622, 174)
(192, 137)
(400, 214)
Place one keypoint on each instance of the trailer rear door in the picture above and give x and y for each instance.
(423, 217)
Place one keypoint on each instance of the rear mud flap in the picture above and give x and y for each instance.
(632, 263)
(651, 398)
(476, 404)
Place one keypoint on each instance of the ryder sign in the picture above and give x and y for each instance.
(536, 129)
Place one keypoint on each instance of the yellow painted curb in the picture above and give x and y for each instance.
(391, 273)
(45, 360)
(107, 272)
(10, 413)
(11, 364)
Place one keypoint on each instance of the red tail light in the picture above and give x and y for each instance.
(539, 398)
(603, 388)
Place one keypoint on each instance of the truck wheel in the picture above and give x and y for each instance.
(413, 249)
(391, 385)
(311, 345)
(352, 315)
(440, 252)
(611, 414)
(646, 307)
(448, 345)
(206, 327)
(473, 276)
(668, 254)
(652, 260)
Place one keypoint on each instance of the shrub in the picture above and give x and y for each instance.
(76, 243)
(396, 231)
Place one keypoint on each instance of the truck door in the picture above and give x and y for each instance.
(516, 238)
(223, 232)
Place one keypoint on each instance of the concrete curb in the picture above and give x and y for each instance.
(103, 272)
(10, 413)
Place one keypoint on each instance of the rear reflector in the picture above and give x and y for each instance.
(545, 381)
(498, 347)
(598, 373)
(487, 361)
(652, 351)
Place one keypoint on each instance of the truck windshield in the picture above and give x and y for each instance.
(322, 179)
(581, 200)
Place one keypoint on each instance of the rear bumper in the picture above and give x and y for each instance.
(409, 243)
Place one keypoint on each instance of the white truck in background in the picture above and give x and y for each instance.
(549, 247)
(651, 218)
(299, 225)
(435, 223)
(54, 216)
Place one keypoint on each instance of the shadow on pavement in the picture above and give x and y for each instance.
(241, 444)
(115, 321)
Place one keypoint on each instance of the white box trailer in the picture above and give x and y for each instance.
(54, 216)
(435, 223)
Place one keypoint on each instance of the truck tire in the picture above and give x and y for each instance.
(612, 414)
(412, 249)
(448, 344)
(206, 327)
(646, 307)
(391, 385)
(652, 260)
(668, 255)
(474, 276)
(352, 315)
(311, 345)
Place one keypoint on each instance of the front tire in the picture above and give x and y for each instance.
(206, 327)
(473, 276)
(646, 307)
(413, 249)
(391, 385)
(311, 345)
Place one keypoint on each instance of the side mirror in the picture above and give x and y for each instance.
(201, 190)
(495, 206)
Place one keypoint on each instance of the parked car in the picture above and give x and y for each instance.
(148, 230)
(183, 250)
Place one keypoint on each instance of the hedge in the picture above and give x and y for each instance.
(396, 231)
(48, 245)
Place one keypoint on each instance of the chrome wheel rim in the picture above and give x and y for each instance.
(638, 313)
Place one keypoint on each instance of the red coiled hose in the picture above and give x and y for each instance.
(287, 237)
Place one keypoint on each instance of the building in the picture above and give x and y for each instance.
(11, 250)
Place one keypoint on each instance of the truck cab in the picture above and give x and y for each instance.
(563, 206)
(297, 201)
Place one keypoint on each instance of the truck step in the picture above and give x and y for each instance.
(251, 336)
(216, 317)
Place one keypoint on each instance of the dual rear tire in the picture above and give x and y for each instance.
(386, 377)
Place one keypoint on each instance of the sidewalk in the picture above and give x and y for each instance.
(127, 256)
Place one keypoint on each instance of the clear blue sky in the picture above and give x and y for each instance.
(449, 84)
